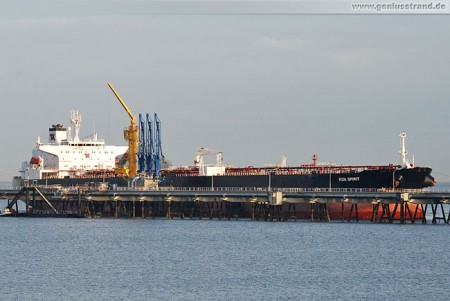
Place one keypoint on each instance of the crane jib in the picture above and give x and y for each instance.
(124, 105)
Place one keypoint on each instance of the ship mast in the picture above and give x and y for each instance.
(75, 119)
(403, 152)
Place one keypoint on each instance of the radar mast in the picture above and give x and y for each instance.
(75, 119)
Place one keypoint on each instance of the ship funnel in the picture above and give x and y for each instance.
(57, 133)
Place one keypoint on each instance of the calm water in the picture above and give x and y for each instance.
(124, 259)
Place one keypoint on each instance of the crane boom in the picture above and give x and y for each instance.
(124, 105)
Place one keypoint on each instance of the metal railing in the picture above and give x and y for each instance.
(287, 190)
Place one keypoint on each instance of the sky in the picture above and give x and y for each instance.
(255, 86)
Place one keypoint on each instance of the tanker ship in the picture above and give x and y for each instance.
(73, 161)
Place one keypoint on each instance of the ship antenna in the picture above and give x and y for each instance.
(75, 119)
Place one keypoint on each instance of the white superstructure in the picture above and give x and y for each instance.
(64, 157)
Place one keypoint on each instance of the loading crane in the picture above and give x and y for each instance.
(208, 169)
(150, 154)
(142, 152)
(131, 134)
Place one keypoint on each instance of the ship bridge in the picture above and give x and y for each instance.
(64, 156)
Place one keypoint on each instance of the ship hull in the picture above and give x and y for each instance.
(414, 178)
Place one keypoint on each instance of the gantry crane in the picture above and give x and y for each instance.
(131, 134)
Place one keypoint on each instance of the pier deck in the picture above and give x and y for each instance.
(351, 205)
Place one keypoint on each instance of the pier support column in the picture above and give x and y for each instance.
(87, 209)
(416, 211)
(142, 208)
(169, 209)
(312, 203)
(210, 210)
(194, 210)
(79, 202)
(385, 213)
(350, 216)
(253, 210)
(16, 212)
(394, 211)
(274, 212)
(116, 208)
(424, 213)
(409, 213)
(319, 212)
(434, 208)
(375, 209)
(402, 212)
(291, 212)
(27, 202)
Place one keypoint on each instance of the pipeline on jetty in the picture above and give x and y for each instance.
(322, 205)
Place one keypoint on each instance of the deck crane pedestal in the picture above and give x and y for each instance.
(131, 134)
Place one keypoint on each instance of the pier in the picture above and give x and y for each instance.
(319, 205)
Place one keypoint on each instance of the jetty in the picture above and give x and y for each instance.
(320, 205)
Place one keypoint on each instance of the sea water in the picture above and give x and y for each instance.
(159, 259)
(146, 259)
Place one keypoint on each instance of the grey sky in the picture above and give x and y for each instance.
(254, 86)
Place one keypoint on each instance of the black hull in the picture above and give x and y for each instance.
(414, 178)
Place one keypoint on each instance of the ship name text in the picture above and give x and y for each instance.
(349, 179)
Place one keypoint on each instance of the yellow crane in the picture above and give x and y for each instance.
(131, 134)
